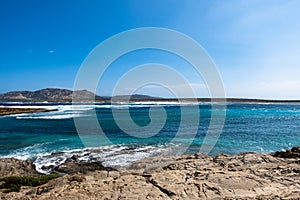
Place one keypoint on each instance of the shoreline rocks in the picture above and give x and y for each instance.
(13, 111)
(73, 165)
(241, 176)
(291, 153)
(15, 167)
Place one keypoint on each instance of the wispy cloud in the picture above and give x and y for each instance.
(283, 89)
(266, 37)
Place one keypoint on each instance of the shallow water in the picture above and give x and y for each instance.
(248, 127)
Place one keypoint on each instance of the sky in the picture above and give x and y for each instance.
(254, 44)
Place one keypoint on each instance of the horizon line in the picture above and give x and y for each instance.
(166, 98)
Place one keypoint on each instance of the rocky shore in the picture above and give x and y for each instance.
(13, 111)
(242, 176)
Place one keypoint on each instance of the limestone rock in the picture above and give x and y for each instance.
(242, 176)
(15, 167)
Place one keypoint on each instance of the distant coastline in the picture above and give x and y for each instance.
(66, 96)
(14, 111)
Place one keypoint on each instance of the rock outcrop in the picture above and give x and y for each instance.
(242, 176)
(12, 111)
(291, 153)
(73, 166)
(15, 167)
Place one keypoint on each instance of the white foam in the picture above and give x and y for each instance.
(72, 111)
(110, 156)
(83, 107)
(63, 116)
(29, 152)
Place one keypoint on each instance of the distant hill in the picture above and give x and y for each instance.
(48, 94)
(136, 97)
(64, 95)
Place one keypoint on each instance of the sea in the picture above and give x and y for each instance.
(49, 138)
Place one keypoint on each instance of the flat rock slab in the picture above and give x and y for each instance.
(242, 176)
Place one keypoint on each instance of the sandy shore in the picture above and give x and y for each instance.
(11, 111)
(242, 176)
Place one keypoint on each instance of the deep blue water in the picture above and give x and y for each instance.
(247, 127)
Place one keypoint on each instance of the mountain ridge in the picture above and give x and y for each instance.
(66, 95)
(47, 94)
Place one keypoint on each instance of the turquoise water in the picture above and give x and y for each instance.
(49, 138)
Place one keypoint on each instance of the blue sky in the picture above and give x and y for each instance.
(255, 44)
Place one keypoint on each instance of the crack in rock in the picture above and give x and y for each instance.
(164, 190)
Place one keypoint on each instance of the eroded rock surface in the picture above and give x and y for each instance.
(243, 176)
(15, 167)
